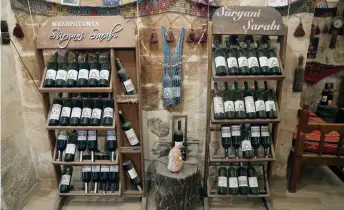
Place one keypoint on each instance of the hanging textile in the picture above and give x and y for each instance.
(172, 75)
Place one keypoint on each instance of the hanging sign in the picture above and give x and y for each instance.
(247, 20)
(82, 32)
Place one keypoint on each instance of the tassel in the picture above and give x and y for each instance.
(153, 38)
(169, 35)
(18, 31)
(191, 36)
(299, 32)
(325, 30)
(317, 30)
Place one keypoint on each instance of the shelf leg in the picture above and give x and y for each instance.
(59, 202)
(267, 203)
(206, 203)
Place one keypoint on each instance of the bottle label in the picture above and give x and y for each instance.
(111, 136)
(270, 105)
(222, 181)
(105, 169)
(62, 136)
(86, 169)
(273, 62)
(265, 131)
(65, 180)
(324, 99)
(129, 86)
(218, 105)
(131, 136)
(168, 92)
(70, 149)
(132, 173)
(255, 131)
(61, 74)
(260, 106)
(178, 144)
(114, 168)
(176, 92)
(226, 132)
(92, 135)
(232, 62)
(83, 74)
(104, 74)
(76, 112)
(252, 181)
(96, 113)
(108, 112)
(55, 112)
(252, 62)
(233, 182)
(51, 74)
(236, 130)
(246, 145)
(220, 61)
(229, 106)
(72, 74)
(249, 103)
(82, 135)
(242, 181)
(94, 74)
(242, 62)
(86, 112)
(239, 106)
(263, 61)
(95, 168)
(66, 111)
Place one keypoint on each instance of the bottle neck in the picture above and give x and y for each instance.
(96, 58)
(256, 86)
(86, 58)
(118, 64)
(246, 86)
(55, 57)
(65, 58)
(76, 58)
(226, 86)
(236, 86)
(179, 125)
(266, 86)
(122, 117)
(215, 87)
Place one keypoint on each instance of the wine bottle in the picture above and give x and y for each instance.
(176, 87)
(66, 110)
(61, 144)
(71, 145)
(104, 173)
(222, 184)
(73, 72)
(232, 62)
(330, 95)
(96, 112)
(123, 75)
(66, 179)
(265, 139)
(132, 174)
(246, 146)
(273, 60)
(86, 172)
(92, 143)
(252, 180)
(83, 72)
(95, 176)
(183, 149)
(270, 107)
(111, 143)
(249, 102)
(94, 72)
(219, 112)
(114, 178)
(263, 59)
(220, 61)
(242, 60)
(86, 111)
(167, 94)
(228, 98)
(236, 138)
(61, 77)
(54, 117)
(259, 101)
(233, 181)
(239, 102)
(104, 75)
(50, 75)
(178, 136)
(324, 95)
(76, 112)
(128, 130)
(81, 143)
(255, 139)
(107, 119)
(242, 178)
(253, 64)
(226, 138)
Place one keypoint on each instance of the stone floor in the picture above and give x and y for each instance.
(318, 189)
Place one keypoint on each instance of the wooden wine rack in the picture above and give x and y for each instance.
(124, 44)
(225, 25)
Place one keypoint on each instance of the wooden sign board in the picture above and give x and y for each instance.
(247, 20)
(86, 32)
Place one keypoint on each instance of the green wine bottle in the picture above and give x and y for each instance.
(73, 71)
(219, 112)
(246, 146)
(220, 61)
(111, 143)
(66, 111)
(95, 176)
(239, 102)
(83, 72)
(114, 178)
(255, 139)
(222, 181)
(86, 172)
(226, 138)
(242, 60)
(233, 181)
(104, 75)
(92, 143)
(104, 173)
(249, 102)
(228, 98)
(94, 72)
(265, 139)
(253, 64)
(127, 83)
(242, 178)
(86, 111)
(232, 63)
(263, 59)
(54, 117)
(81, 143)
(76, 112)
(259, 102)
(66, 179)
(96, 112)
(128, 130)
(61, 144)
(71, 146)
(236, 138)
(107, 119)
(270, 107)
(61, 77)
(50, 76)
(252, 180)
(273, 60)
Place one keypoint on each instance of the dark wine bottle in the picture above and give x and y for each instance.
(236, 138)
(81, 143)
(95, 176)
(111, 143)
(61, 144)
(104, 75)
(86, 111)
(83, 72)
(86, 172)
(330, 95)
(178, 136)
(71, 146)
(252, 180)
(73, 72)
(324, 95)
(246, 146)
(128, 130)
(239, 102)
(220, 61)
(259, 101)
(249, 102)
(54, 117)
(176, 87)
(107, 119)
(232, 63)
(61, 77)
(219, 112)
(114, 178)
(66, 111)
(233, 181)
(253, 64)
(242, 60)
(263, 59)
(76, 112)
(92, 143)
(50, 76)
(270, 107)
(226, 138)
(273, 60)
(94, 72)
(265, 139)
(132, 174)
(96, 112)
(255, 139)
(222, 184)
(66, 179)
(123, 75)
(242, 178)
(104, 173)
(228, 98)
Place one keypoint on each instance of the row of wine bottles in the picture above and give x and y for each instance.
(236, 104)
(237, 180)
(83, 140)
(248, 139)
(75, 74)
(81, 111)
(238, 61)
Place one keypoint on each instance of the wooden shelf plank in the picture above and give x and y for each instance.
(74, 163)
(93, 128)
(121, 99)
(125, 149)
(132, 193)
(82, 193)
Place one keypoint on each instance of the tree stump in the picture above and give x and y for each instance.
(177, 191)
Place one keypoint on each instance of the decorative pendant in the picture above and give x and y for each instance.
(299, 32)
(153, 38)
(169, 35)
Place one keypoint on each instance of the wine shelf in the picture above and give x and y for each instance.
(90, 128)
(121, 99)
(125, 149)
(80, 192)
